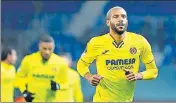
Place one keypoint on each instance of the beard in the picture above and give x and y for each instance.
(114, 28)
(45, 58)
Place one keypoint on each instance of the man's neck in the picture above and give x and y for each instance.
(6, 61)
(44, 60)
(117, 37)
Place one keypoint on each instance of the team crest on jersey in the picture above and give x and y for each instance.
(133, 50)
(54, 69)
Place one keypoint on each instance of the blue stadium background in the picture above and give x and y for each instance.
(73, 23)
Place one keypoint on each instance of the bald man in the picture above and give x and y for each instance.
(117, 54)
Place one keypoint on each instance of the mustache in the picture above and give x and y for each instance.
(120, 24)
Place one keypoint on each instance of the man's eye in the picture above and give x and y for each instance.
(123, 16)
(115, 16)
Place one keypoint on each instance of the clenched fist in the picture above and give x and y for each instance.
(93, 79)
(131, 76)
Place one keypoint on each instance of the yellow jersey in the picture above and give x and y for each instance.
(74, 93)
(7, 82)
(35, 76)
(111, 58)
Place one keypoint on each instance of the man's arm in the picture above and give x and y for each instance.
(21, 80)
(149, 62)
(88, 56)
(151, 71)
(21, 76)
(60, 81)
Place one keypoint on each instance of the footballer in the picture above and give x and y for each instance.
(117, 55)
(42, 74)
(8, 71)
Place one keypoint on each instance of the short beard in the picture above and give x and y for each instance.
(113, 27)
(119, 32)
(45, 59)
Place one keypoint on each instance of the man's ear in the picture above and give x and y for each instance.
(108, 23)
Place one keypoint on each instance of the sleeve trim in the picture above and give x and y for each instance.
(85, 62)
(150, 62)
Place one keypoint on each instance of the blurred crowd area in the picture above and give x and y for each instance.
(74, 23)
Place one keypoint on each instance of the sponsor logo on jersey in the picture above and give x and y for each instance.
(120, 64)
(121, 67)
(45, 76)
(121, 61)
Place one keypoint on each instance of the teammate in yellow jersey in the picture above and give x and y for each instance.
(43, 73)
(117, 54)
(8, 59)
(74, 93)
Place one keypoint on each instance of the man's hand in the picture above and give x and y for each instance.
(93, 79)
(28, 96)
(131, 76)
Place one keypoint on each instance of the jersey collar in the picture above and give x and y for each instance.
(46, 62)
(7, 66)
(120, 44)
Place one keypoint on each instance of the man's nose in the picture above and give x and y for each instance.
(120, 21)
(47, 51)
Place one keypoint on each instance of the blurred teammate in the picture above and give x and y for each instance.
(74, 93)
(117, 54)
(43, 73)
(8, 59)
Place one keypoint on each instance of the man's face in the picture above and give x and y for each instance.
(46, 49)
(118, 21)
(12, 57)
